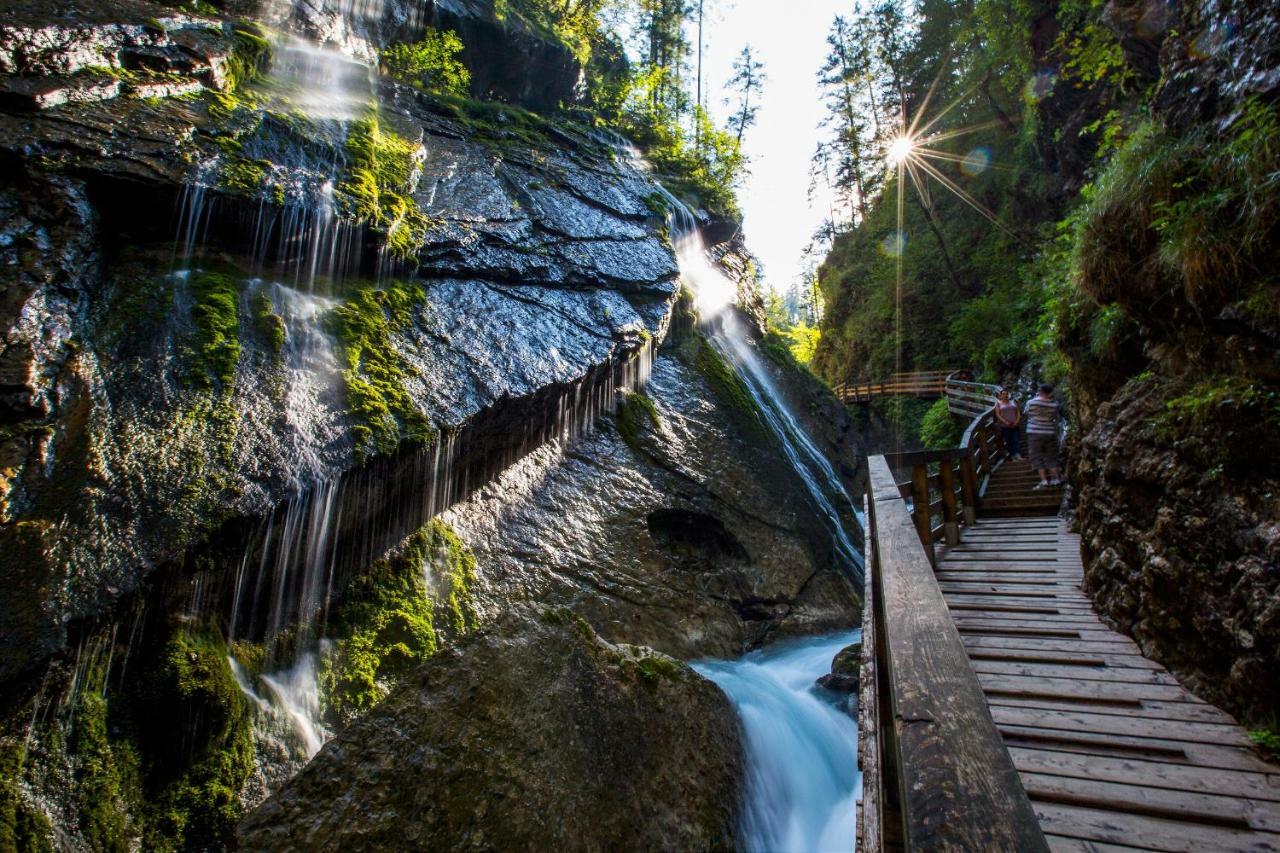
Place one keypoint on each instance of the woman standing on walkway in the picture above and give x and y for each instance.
(1009, 419)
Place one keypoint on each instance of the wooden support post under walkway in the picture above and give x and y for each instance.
(998, 712)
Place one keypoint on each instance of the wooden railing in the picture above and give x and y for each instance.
(936, 774)
(927, 384)
(967, 399)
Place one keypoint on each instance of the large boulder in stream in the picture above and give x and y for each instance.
(533, 735)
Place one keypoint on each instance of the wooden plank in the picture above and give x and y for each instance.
(1077, 672)
(1150, 773)
(960, 788)
(1110, 643)
(1201, 808)
(1150, 748)
(1151, 710)
(1175, 836)
(1103, 658)
(1081, 690)
(1063, 844)
(1111, 724)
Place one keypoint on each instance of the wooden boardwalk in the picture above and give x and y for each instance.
(1113, 753)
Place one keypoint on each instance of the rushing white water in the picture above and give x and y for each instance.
(289, 714)
(801, 747)
(715, 295)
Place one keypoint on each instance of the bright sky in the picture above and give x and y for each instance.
(790, 39)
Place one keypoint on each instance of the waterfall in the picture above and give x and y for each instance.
(802, 781)
(714, 296)
(323, 76)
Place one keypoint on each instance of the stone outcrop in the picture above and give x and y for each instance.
(543, 263)
(1174, 461)
(533, 735)
(675, 526)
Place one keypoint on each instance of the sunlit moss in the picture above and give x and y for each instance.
(632, 415)
(394, 615)
(381, 167)
(269, 324)
(375, 372)
(214, 348)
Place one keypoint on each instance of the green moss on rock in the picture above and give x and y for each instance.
(22, 826)
(269, 324)
(195, 730)
(396, 614)
(728, 388)
(375, 371)
(381, 166)
(635, 410)
(101, 769)
(214, 348)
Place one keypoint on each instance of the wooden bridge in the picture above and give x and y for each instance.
(998, 712)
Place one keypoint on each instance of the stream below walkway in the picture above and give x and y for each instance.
(801, 746)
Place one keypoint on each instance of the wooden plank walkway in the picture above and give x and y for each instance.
(1113, 752)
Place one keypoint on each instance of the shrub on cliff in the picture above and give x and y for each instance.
(430, 63)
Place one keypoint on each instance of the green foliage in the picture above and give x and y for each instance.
(213, 350)
(1268, 739)
(430, 64)
(703, 168)
(195, 729)
(938, 430)
(23, 827)
(381, 168)
(1218, 402)
(576, 25)
(269, 324)
(655, 668)
(376, 372)
(635, 411)
(100, 785)
(394, 615)
(1184, 212)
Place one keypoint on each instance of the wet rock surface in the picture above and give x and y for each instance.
(687, 533)
(535, 734)
(845, 669)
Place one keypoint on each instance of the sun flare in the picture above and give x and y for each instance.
(900, 150)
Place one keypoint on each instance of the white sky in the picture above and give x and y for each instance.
(790, 38)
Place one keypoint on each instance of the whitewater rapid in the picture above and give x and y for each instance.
(801, 746)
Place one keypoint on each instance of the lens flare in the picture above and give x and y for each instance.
(900, 150)
(976, 161)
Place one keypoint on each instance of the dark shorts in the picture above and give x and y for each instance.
(1043, 450)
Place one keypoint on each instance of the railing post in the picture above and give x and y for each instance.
(968, 488)
(950, 518)
(920, 509)
(984, 454)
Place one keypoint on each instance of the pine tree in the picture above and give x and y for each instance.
(747, 81)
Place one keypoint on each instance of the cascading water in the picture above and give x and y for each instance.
(801, 747)
(714, 296)
(802, 776)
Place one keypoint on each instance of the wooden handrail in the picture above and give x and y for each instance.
(936, 773)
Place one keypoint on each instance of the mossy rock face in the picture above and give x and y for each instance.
(395, 615)
(525, 719)
(375, 371)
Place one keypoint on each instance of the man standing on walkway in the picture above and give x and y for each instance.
(1042, 413)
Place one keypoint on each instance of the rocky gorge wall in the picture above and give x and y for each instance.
(1178, 490)
(250, 356)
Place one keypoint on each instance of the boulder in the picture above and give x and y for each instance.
(533, 735)
(845, 669)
